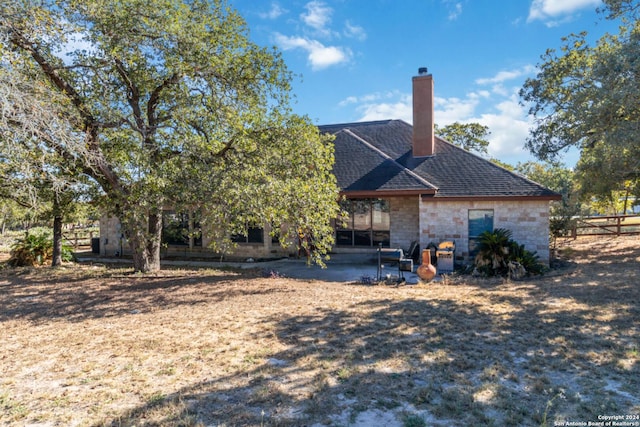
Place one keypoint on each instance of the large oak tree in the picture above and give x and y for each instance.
(588, 96)
(176, 108)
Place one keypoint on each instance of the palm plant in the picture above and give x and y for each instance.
(493, 250)
(497, 250)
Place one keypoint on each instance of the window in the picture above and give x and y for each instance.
(253, 235)
(480, 220)
(181, 229)
(367, 223)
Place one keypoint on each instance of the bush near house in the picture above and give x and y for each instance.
(500, 255)
(35, 248)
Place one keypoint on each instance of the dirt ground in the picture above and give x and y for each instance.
(87, 345)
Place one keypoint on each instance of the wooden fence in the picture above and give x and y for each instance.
(606, 226)
(79, 237)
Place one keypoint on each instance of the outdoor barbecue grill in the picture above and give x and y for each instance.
(445, 255)
(393, 256)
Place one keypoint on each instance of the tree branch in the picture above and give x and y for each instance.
(19, 40)
(133, 98)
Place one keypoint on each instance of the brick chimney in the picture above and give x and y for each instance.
(423, 134)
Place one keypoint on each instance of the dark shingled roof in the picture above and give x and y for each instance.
(376, 157)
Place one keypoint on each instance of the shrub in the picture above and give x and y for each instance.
(36, 248)
(497, 250)
(32, 249)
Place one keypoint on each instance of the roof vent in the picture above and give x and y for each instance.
(422, 71)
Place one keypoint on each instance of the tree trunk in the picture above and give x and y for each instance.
(57, 234)
(144, 240)
(190, 225)
(155, 241)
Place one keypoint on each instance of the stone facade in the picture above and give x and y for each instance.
(449, 220)
(412, 218)
(404, 221)
(113, 243)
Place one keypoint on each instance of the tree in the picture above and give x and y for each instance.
(559, 178)
(469, 136)
(31, 173)
(587, 97)
(10, 214)
(176, 108)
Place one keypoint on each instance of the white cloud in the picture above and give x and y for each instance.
(369, 101)
(381, 106)
(354, 31)
(449, 110)
(396, 105)
(317, 20)
(509, 128)
(348, 100)
(275, 12)
(554, 12)
(455, 11)
(400, 110)
(507, 75)
(318, 16)
(507, 120)
(319, 55)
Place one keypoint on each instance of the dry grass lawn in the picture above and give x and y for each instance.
(90, 346)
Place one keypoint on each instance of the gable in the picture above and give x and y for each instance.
(362, 167)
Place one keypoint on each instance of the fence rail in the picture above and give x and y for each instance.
(606, 226)
(78, 238)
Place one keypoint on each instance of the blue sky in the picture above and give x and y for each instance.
(354, 59)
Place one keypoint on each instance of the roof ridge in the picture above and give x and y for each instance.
(388, 157)
(346, 125)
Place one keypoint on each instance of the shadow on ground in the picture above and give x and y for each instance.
(565, 348)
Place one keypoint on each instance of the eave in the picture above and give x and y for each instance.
(549, 197)
(386, 193)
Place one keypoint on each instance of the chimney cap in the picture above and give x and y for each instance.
(422, 71)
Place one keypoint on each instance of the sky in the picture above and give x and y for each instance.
(353, 60)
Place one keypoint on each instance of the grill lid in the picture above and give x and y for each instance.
(447, 245)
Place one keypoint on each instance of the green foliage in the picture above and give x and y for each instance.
(36, 248)
(469, 136)
(13, 216)
(175, 106)
(502, 164)
(585, 96)
(413, 420)
(529, 260)
(560, 179)
(33, 249)
(497, 249)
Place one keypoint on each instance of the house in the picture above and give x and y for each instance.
(403, 184)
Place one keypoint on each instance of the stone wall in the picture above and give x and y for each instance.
(111, 241)
(404, 221)
(412, 218)
(448, 220)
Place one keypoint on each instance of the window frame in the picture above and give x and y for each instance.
(475, 229)
(249, 237)
(377, 231)
(188, 221)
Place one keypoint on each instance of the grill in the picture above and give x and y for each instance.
(445, 255)
(394, 256)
